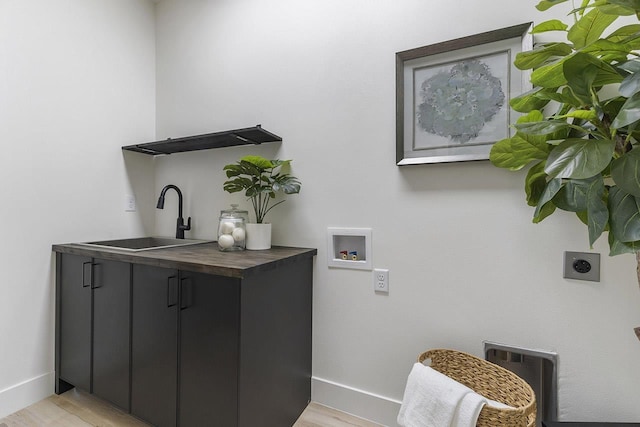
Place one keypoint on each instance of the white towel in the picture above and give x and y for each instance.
(431, 399)
(469, 410)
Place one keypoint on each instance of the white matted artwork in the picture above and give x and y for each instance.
(452, 98)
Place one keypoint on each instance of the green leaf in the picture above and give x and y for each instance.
(579, 158)
(582, 216)
(606, 73)
(583, 71)
(625, 215)
(614, 58)
(633, 43)
(503, 155)
(632, 66)
(625, 33)
(515, 152)
(530, 100)
(535, 183)
(540, 55)
(632, 5)
(612, 106)
(612, 9)
(258, 161)
(585, 198)
(629, 113)
(287, 183)
(597, 210)
(616, 247)
(530, 148)
(563, 97)
(572, 197)
(547, 210)
(545, 207)
(589, 28)
(588, 115)
(550, 75)
(607, 47)
(546, 4)
(545, 127)
(550, 25)
(280, 165)
(630, 85)
(625, 171)
(237, 184)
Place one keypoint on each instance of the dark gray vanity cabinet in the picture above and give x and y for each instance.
(93, 326)
(190, 337)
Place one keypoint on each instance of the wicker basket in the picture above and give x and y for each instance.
(491, 381)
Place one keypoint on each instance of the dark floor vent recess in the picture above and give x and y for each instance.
(538, 368)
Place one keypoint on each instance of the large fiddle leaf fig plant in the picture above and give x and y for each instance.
(579, 133)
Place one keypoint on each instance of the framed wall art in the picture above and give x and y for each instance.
(452, 98)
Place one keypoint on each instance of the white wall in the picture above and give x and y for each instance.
(77, 81)
(466, 263)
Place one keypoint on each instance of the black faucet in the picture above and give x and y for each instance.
(180, 227)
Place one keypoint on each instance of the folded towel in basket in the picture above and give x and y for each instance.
(432, 399)
(469, 410)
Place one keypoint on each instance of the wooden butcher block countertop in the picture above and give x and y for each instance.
(203, 257)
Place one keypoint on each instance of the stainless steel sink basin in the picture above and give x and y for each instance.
(144, 243)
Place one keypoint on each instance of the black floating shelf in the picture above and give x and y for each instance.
(247, 136)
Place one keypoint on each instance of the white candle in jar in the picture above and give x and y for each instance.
(225, 241)
(238, 234)
(227, 227)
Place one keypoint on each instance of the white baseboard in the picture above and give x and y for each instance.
(370, 406)
(21, 395)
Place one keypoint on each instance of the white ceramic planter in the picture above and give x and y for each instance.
(258, 236)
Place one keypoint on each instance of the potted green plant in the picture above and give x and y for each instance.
(260, 179)
(579, 130)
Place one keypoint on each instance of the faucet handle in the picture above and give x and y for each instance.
(188, 226)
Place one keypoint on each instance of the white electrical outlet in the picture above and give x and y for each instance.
(381, 280)
(129, 203)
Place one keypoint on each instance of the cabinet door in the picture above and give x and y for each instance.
(154, 363)
(111, 311)
(275, 354)
(74, 311)
(208, 350)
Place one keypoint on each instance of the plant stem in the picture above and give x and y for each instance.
(637, 328)
(254, 202)
(638, 266)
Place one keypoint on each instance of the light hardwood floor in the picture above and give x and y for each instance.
(78, 409)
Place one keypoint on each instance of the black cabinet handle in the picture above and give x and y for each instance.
(172, 291)
(94, 267)
(87, 267)
(186, 293)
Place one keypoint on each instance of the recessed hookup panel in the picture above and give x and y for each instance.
(582, 266)
(349, 248)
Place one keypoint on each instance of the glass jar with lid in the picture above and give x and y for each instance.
(231, 229)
